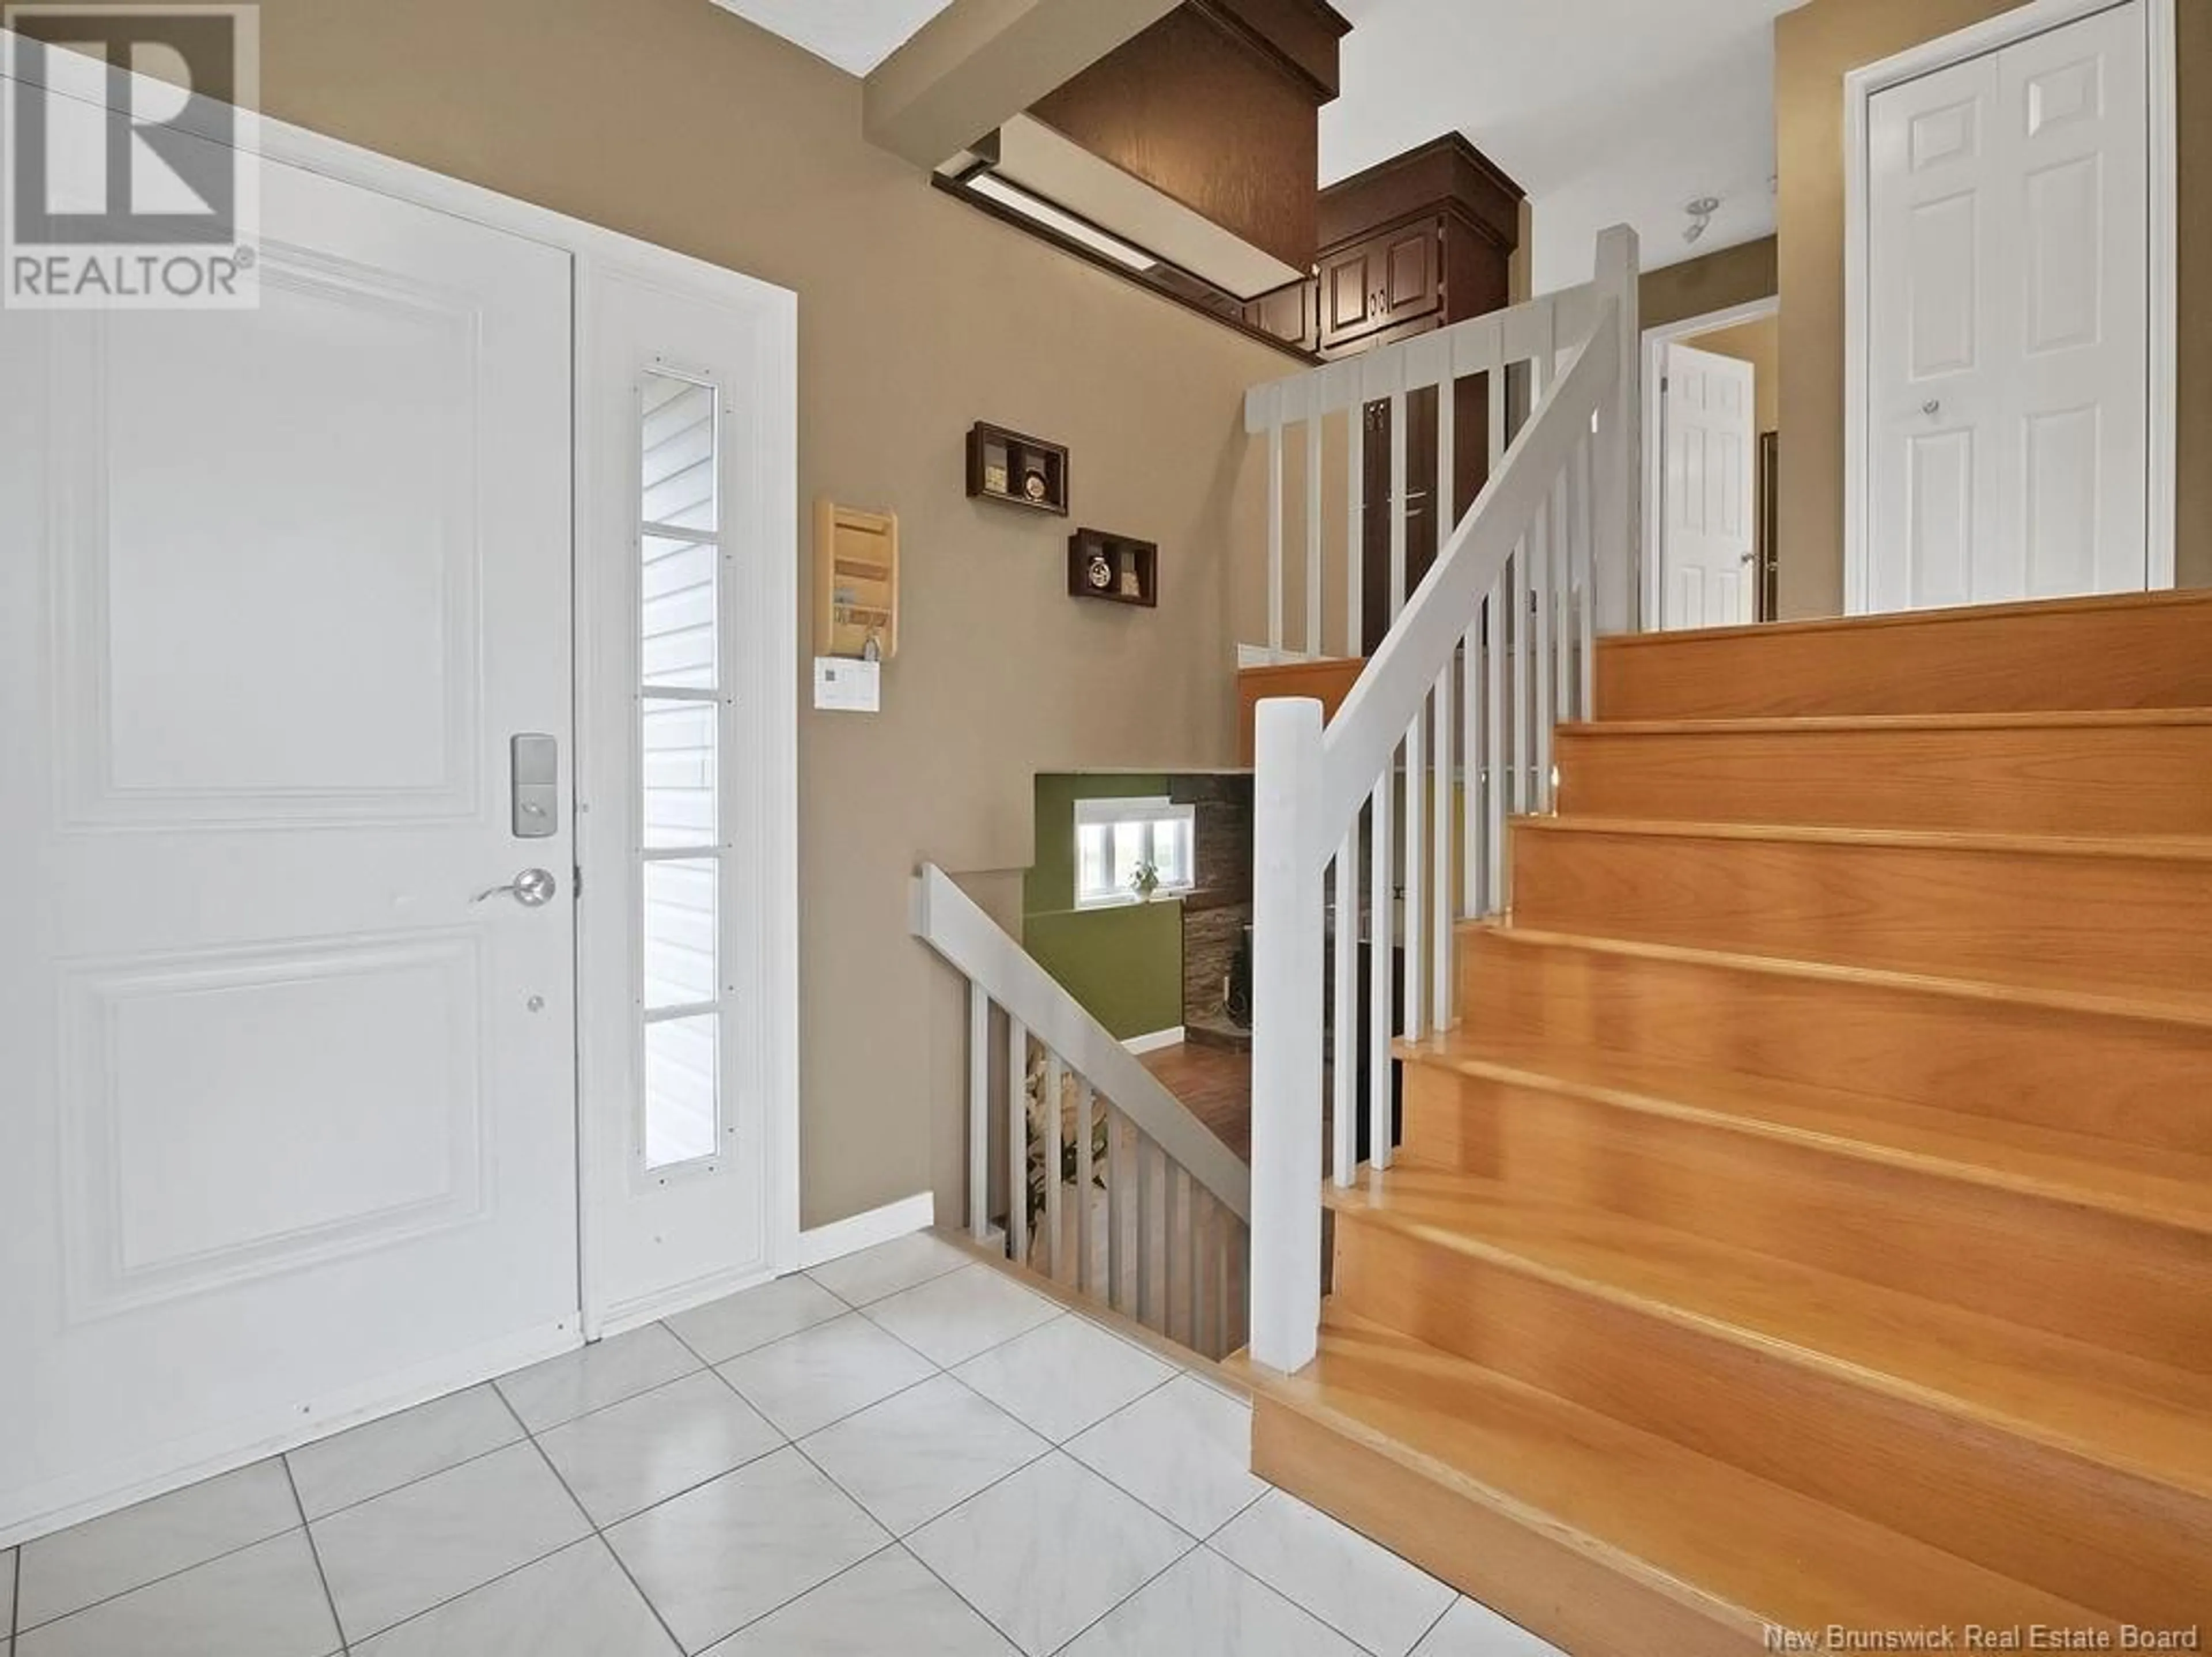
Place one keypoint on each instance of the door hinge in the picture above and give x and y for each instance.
(576, 886)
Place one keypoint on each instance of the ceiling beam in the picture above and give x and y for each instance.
(979, 61)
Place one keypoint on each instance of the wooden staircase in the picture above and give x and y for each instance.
(1809, 1220)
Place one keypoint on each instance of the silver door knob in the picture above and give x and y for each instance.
(1932, 405)
(533, 889)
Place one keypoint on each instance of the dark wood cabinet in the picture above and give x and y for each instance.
(1381, 283)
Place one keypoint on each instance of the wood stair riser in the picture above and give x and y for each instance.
(2140, 1080)
(1541, 1580)
(2100, 1536)
(2090, 779)
(2010, 914)
(2128, 653)
(2113, 1280)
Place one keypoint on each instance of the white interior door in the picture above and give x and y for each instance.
(2008, 333)
(288, 1115)
(687, 950)
(1707, 552)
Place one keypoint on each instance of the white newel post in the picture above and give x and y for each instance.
(1286, 1035)
(1619, 574)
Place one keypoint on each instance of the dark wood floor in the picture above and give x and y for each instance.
(1216, 1083)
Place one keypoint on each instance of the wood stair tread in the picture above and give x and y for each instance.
(1745, 1552)
(2111, 1409)
(2181, 1006)
(2167, 1187)
(2176, 848)
(2034, 719)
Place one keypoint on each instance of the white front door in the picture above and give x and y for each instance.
(288, 1112)
(1706, 490)
(2009, 323)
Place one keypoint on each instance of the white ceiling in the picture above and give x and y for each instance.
(854, 34)
(1604, 111)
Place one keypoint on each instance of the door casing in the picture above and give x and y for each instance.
(1860, 86)
(769, 519)
(1653, 427)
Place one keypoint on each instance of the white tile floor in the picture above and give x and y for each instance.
(901, 1453)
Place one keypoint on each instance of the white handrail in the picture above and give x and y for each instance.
(1402, 673)
(1445, 736)
(1109, 1185)
(957, 927)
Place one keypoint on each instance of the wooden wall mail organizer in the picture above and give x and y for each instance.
(1004, 466)
(856, 568)
(1115, 568)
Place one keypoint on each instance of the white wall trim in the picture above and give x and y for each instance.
(621, 1318)
(1860, 85)
(1155, 1041)
(849, 1236)
(1655, 341)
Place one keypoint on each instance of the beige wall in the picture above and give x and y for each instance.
(1815, 47)
(1760, 344)
(1719, 281)
(671, 120)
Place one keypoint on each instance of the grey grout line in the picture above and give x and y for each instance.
(528, 1435)
(315, 1553)
(23, 1627)
(1433, 1623)
(613, 1553)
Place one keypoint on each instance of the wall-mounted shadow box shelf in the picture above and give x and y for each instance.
(1004, 466)
(1114, 568)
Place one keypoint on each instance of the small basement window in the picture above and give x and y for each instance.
(1116, 839)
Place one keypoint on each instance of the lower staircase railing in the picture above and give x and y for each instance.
(1446, 735)
(1091, 1171)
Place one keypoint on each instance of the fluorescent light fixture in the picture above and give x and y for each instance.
(1039, 211)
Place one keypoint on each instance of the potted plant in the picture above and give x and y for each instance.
(1146, 880)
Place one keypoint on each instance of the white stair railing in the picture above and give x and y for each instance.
(1119, 1194)
(1446, 735)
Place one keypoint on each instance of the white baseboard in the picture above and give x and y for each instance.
(28, 1514)
(1154, 1042)
(683, 1297)
(842, 1237)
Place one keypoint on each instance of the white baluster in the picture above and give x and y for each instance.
(1413, 1010)
(979, 1111)
(1382, 937)
(1315, 646)
(1585, 591)
(1018, 1142)
(1117, 1209)
(1440, 873)
(1148, 1218)
(1562, 610)
(1052, 1072)
(1086, 1175)
(1343, 1058)
(1495, 645)
(1539, 574)
(1275, 539)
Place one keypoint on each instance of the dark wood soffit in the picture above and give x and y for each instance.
(1448, 173)
(1192, 108)
(1299, 36)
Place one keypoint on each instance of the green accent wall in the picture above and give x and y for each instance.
(1124, 964)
